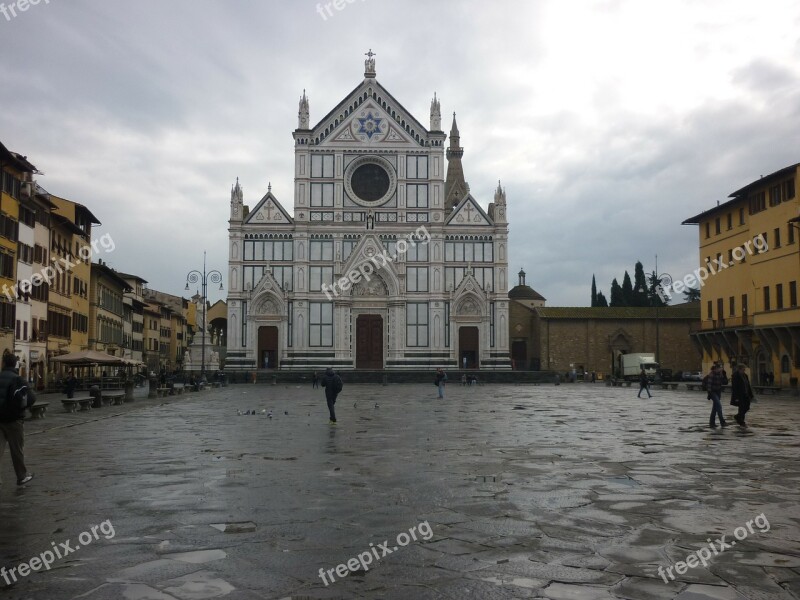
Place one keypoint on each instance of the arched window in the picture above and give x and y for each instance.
(785, 366)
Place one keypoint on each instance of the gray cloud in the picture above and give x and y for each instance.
(148, 111)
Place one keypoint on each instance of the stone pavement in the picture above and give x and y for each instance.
(560, 492)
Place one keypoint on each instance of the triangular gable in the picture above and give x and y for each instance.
(469, 212)
(269, 212)
(370, 250)
(469, 299)
(267, 290)
(369, 124)
(398, 125)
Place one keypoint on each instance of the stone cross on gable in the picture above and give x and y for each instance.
(469, 211)
(269, 210)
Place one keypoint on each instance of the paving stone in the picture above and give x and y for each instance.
(583, 494)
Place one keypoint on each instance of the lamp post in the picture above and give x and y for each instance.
(657, 284)
(205, 277)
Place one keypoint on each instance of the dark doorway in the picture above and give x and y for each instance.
(267, 347)
(519, 355)
(468, 347)
(369, 342)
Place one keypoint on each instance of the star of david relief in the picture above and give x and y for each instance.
(370, 125)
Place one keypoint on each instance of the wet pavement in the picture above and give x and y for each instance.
(559, 492)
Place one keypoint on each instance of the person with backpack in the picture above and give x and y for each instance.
(15, 398)
(333, 386)
(440, 381)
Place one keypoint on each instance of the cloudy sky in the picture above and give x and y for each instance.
(608, 122)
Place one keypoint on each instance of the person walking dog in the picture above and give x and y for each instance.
(333, 386)
(644, 384)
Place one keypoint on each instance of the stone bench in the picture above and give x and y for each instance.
(669, 385)
(178, 389)
(694, 386)
(78, 403)
(115, 397)
(162, 392)
(38, 410)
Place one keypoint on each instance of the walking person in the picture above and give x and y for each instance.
(741, 394)
(333, 386)
(644, 384)
(315, 380)
(70, 383)
(441, 379)
(12, 412)
(714, 392)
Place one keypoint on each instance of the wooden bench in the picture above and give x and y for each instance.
(78, 403)
(760, 389)
(38, 410)
(115, 397)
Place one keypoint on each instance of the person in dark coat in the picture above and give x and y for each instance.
(741, 394)
(12, 417)
(333, 386)
(70, 383)
(315, 380)
(644, 384)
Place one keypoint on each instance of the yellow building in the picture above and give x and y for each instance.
(16, 175)
(152, 336)
(106, 309)
(71, 249)
(750, 267)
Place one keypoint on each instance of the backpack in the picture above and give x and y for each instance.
(15, 401)
(338, 385)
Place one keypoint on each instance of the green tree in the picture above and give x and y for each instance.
(617, 297)
(627, 290)
(594, 292)
(640, 295)
(691, 295)
(601, 300)
(655, 298)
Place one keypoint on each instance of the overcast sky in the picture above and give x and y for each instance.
(608, 122)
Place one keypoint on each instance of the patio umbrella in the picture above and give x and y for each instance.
(88, 357)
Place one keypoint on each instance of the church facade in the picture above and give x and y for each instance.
(386, 262)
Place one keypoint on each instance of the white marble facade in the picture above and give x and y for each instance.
(369, 182)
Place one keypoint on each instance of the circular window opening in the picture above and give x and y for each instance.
(370, 182)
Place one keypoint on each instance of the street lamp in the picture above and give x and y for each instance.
(205, 277)
(658, 283)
